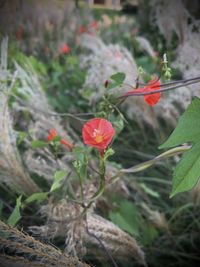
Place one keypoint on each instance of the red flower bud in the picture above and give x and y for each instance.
(65, 49)
(53, 133)
(94, 24)
(81, 29)
(106, 83)
(98, 133)
(66, 143)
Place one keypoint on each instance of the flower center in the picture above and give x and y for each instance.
(97, 136)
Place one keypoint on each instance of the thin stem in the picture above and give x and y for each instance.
(164, 84)
(150, 83)
(81, 186)
(101, 189)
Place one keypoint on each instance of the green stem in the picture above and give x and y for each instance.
(102, 170)
(145, 165)
(81, 186)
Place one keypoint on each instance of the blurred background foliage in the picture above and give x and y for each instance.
(48, 38)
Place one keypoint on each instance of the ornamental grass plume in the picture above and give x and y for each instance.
(38, 161)
(13, 173)
(98, 133)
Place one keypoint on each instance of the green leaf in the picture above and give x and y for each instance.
(149, 233)
(118, 77)
(80, 153)
(117, 122)
(21, 136)
(127, 217)
(118, 219)
(38, 197)
(38, 144)
(149, 191)
(188, 128)
(56, 138)
(58, 178)
(15, 215)
(116, 80)
(187, 172)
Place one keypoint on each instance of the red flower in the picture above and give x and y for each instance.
(81, 29)
(65, 49)
(53, 133)
(94, 24)
(98, 133)
(151, 99)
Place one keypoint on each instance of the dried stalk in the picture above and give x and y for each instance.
(14, 243)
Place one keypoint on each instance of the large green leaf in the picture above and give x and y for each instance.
(188, 128)
(187, 172)
(127, 217)
(118, 219)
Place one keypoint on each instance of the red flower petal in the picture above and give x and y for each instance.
(82, 29)
(65, 49)
(66, 143)
(98, 133)
(153, 98)
(94, 24)
(52, 134)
